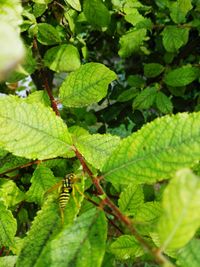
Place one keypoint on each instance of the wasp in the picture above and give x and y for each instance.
(65, 190)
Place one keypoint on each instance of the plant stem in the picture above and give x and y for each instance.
(44, 78)
(159, 257)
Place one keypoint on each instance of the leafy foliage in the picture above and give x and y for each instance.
(108, 91)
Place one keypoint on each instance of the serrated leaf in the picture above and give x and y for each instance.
(32, 130)
(148, 212)
(130, 199)
(181, 76)
(189, 255)
(156, 151)
(131, 42)
(47, 34)
(97, 148)
(174, 38)
(74, 3)
(179, 221)
(163, 103)
(179, 10)
(10, 193)
(145, 99)
(136, 81)
(126, 247)
(44, 225)
(96, 13)
(153, 69)
(62, 58)
(73, 245)
(41, 181)
(8, 226)
(86, 85)
(8, 261)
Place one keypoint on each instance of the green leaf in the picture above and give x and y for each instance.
(131, 42)
(38, 97)
(44, 225)
(179, 221)
(156, 151)
(181, 76)
(32, 130)
(96, 13)
(153, 69)
(86, 85)
(125, 247)
(179, 10)
(189, 255)
(9, 161)
(145, 99)
(97, 148)
(133, 16)
(10, 193)
(136, 81)
(8, 261)
(148, 212)
(128, 95)
(41, 181)
(174, 38)
(62, 58)
(74, 3)
(8, 226)
(163, 103)
(47, 34)
(130, 199)
(73, 245)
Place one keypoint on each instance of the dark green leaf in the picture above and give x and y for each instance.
(163, 103)
(153, 69)
(145, 99)
(181, 76)
(47, 34)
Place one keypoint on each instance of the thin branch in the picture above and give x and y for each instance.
(44, 78)
(159, 257)
(24, 166)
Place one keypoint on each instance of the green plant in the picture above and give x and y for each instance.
(110, 94)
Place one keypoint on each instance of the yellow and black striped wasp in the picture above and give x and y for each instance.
(66, 189)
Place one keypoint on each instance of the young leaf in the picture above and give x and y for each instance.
(96, 13)
(32, 130)
(74, 3)
(97, 148)
(125, 247)
(130, 199)
(62, 58)
(153, 69)
(73, 245)
(8, 226)
(181, 76)
(47, 34)
(179, 9)
(86, 85)
(179, 221)
(189, 255)
(163, 103)
(41, 181)
(43, 227)
(174, 38)
(10, 193)
(8, 261)
(145, 99)
(131, 42)
(156, 151)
